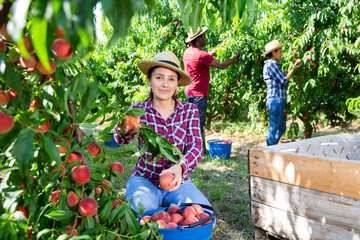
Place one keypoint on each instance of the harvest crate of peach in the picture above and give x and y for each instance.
(308, 189)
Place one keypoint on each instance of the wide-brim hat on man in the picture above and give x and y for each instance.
(192, 36)
(168, 60)
(272, 46)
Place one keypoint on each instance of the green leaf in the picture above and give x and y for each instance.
(51, 149)
(251, 12)
(196, 15)
(59, 215)
(23, 150)
(117, 213)
(43, 232)
(18, 21)
(78, 86)
(89, 222)
(12, 79)
(241, 7)
(97, 176)
(136, 112)
(106, 211)
(131, 221)
(38, 31)
(86, 101)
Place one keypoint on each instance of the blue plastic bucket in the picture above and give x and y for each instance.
(189, 232)
(112, 142)
(221, 150)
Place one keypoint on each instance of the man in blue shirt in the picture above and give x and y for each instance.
(277, 83)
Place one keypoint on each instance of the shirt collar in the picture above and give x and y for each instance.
(148, 105)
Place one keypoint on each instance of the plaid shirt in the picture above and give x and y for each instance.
(275, 80)
(181, 129)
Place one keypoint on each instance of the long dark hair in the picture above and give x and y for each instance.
(151, 95)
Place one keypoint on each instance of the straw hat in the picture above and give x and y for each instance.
(168, 60)
(272, 46)
(192, 36)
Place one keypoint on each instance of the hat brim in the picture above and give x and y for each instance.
(190, 39)
(145, 65)
(266, 53)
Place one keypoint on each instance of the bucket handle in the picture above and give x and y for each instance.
(213, 140)
(201, 221)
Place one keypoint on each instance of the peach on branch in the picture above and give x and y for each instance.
(30, 62)
(93, 149)
(12, 94)
(6, 122)
(45, 127)
(144, 219)
(4, 98)
(80, 174)
(298, 62)
(75, 156)
(2, 46)
(59, 32)
(72, 199)
(115, 203)
(165, 181)
(98, 190)
(62, 169)
(117, 166)
(55, 196)
(88, 207)
(46, 71)
(5, 33)
(34, 105)
(62, 148)
(23, 210)
(61, 48)
(70, 232)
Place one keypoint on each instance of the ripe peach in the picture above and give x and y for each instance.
(162, 215)
(98, 190)
(161, 223)
(131, 121)
(202, 216)
(80, 174)
(72, 199)
(144, 219)
(4, 98)
(55, 196)
(61, 148)
(176, 218)
(107, 182)
(23, 210)
(174, 209)
(49, 79)
(67, 129)
(45, 71)
(30, 62)
(297, 61)
(59, 32)
(165, 181)
(6, 122)
(171, 225)
(12, 94)
(117, 166)
(5, 33)
(61, 48)
(308, 58)
(116, 202)
(34, 105)
(2, 46)
(27, 43)
(198, 208)
(75, 156)
(88, 207)
(189, 211)
(44, 128)
(93, 149)
(70, 232)
(190, 220)
(62, 168)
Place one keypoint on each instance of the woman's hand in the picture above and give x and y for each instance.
(176, 170)
(130, 124)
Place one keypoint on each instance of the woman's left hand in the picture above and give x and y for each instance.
(176, 170)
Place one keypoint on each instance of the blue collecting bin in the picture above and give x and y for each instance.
(220, 150)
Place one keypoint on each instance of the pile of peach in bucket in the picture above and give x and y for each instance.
(174, 216)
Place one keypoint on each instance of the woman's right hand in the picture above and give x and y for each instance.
(130, 124)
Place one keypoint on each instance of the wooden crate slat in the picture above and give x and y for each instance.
(291, 226)
(328, 175)
(332, 209)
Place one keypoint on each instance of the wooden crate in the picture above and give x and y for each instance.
(308, 189)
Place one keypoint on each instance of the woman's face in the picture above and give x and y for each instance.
(277, 54)
(163, 83)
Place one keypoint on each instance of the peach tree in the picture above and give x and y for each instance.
(56, 179)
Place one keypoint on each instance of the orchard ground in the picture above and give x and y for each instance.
(225, 182)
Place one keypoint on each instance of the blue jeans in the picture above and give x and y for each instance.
(201, 103)
(142, 190)
(277, 120)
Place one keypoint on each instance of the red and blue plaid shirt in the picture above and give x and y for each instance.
(181, 129)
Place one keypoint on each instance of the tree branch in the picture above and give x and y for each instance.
(4, 11)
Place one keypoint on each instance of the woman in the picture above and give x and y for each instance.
(179, 123)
